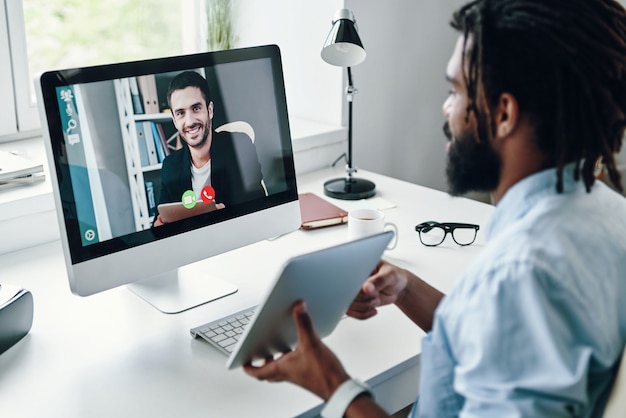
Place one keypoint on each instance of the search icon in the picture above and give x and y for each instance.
(71, 124)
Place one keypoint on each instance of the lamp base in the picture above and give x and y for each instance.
(349, 188)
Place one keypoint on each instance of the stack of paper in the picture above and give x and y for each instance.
(16, 170)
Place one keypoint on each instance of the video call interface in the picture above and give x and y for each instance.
(115, 134)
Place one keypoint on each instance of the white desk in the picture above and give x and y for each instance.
(113, 355)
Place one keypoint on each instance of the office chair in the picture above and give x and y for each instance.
(243, 127)
(237, 126)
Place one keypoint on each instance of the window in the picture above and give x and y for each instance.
(36, 35)
(51, 34)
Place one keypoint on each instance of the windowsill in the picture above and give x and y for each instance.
(27, 213)
(306, 134)
(29, 199)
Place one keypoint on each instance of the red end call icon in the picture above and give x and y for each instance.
(208, 194)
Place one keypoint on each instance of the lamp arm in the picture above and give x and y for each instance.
(350, 91)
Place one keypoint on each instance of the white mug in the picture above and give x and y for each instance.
(365, 222)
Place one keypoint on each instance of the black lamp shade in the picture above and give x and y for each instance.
(343, 46)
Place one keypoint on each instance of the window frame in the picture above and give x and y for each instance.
(8, 117)
(26, 114)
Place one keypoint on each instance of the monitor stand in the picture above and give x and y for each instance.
(181, 289)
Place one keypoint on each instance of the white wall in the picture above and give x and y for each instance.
(313, 88)
(299, 28)
(397, 112)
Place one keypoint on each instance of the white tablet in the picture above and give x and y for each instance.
(327, 280)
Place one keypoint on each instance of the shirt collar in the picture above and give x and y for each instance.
(524, 194)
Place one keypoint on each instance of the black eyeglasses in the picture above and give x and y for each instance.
(433, 233)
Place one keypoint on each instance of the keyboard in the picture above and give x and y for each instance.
(224, 333)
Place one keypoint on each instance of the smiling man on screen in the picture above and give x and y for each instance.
(225, 162)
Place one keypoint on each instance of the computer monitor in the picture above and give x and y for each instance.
(116, 153)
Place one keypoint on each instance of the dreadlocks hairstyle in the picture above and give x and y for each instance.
(565, 62)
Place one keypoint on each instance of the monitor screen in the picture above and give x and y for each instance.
(152, 161)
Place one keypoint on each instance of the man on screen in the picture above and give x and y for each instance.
(536, 325)
(225, 161)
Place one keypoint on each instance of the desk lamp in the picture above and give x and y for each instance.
(343, 48)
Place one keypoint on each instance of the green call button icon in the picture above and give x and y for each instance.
(189, 199)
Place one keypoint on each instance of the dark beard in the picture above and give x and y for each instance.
(473, 165)
(205, 136)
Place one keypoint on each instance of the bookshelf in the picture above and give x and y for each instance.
(148, 137)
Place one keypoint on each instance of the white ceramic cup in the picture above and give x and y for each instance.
(365, 222)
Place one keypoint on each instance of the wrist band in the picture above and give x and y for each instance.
(344, 395)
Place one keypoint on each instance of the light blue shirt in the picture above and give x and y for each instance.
(535, 327)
